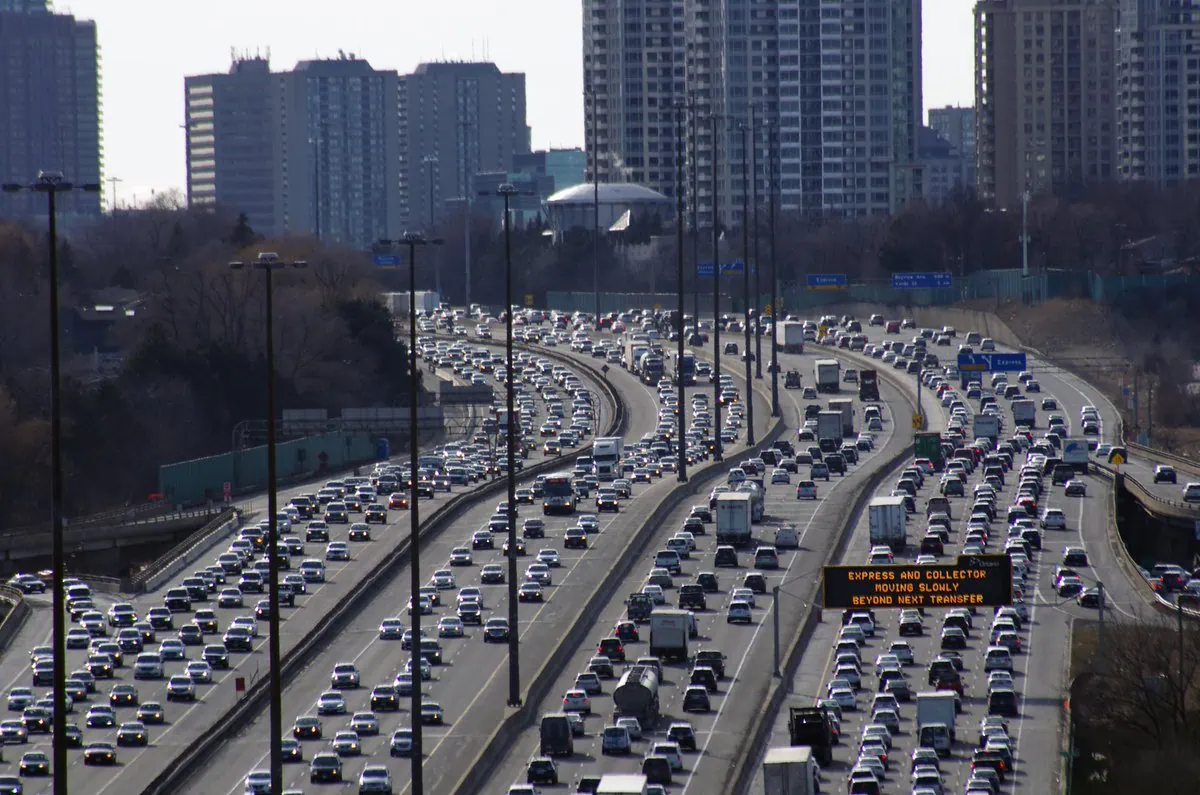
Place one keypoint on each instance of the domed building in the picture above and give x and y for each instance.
(574, 208)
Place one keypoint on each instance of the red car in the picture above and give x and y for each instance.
(397, 501)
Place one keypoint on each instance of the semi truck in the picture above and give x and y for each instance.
(789, 771)
(808, 726)
(1024, 412)
(986, 425)
(668, 636)
(868, 385)
(652, 369)
(734, 515)
(935, 720)
(827, 373)
(793, 336)
(636, 694)
(846, 407)
(633, 350)
(888, 521)
(829, 425)
(606, 456)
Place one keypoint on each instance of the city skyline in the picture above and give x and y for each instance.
(144, 108)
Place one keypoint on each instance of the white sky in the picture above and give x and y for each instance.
(148, 46)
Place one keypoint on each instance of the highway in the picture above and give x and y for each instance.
(471, 684)
(1040, 669)
(747, 647)
(185, 722)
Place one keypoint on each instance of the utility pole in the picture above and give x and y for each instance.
(695, 217)
(746, 354)
(680, 165)
(466, 134)
(772, 143)
(112, 181)
(758, 315)
(596, 209)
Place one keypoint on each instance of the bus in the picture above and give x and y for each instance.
(558, 495)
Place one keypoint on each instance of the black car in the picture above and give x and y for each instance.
(708, 581)
(317, 534)
(384, 699)
(542, 770)
(726, 557)
(682, 735)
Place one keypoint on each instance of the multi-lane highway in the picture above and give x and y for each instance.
(1039, 669)
(471, 683)
(186, 721)
(747, 647)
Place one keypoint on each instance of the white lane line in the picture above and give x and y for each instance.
(759, 627)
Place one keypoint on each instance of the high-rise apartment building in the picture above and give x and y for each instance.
(232, 120)
(840, 81)
(457, 119)
(49, 103)
(338, 164)
(1044, 82)
(310, 151)
(1157, 107)
(956, 126)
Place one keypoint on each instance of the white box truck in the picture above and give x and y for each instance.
(986, 425)
(606, 456)
(735, 513)
(846, 407)
(622, 784)
(935, 720)
(1024, 412)
(828, 375)
(830, 425)
(793, 336)
(789, 771)
(669, 634)
(888, 521)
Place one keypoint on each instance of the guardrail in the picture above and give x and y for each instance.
(193, 755)
(15, 617)
(183, 553)
(502, 738)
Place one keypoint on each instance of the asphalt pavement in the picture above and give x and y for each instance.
(748, 648)
(471, 685)
(185, 722)
(1040, 669)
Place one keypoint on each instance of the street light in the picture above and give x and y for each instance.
(758, 329)
(772, 145)
(746, 355)
(681, 467)
(514, 636)
(591, 93)
(268, 262)
(53, 183)
(716, 253)
(413, 240)
(430, 161)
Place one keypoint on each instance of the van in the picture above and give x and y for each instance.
(556, 736)
(937, 737)
(615, 740)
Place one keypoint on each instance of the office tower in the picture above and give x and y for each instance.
(232, 120)
(49, 103)
(457, 119)
(1158, 117)
(841, 79)
(1044, 84)
(956, 126)
(338, 152)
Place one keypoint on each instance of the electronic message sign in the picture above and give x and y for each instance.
(974, 581)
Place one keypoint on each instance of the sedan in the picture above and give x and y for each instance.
(431, 713)
(331, 703)
(133, 733)
(450, 627)
(1076, 488)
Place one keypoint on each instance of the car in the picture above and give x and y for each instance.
(375, 778)
(133, 733)
(1165, 474)
(307, 727)
(1076, 488)
(431, 713)
(739, 612)
(151, 712)
(331, 702)
(347, 743)
(325, 767)
(576, 700)
(541, 770)
(401, 743)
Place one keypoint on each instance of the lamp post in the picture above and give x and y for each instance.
(268, 262)
(514, 636)
(695, 217)
(430, 162)
(716, 252)
(758, 329)
(746, 354)
(53, 183)
(681, 467)
(412, 241)
(772, 143)
(591, 92)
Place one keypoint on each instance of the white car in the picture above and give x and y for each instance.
(844, 696)
(443, 579)
(575, 700)
(739, 612)
(549, 557)
(450, 627)
(258, 782)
